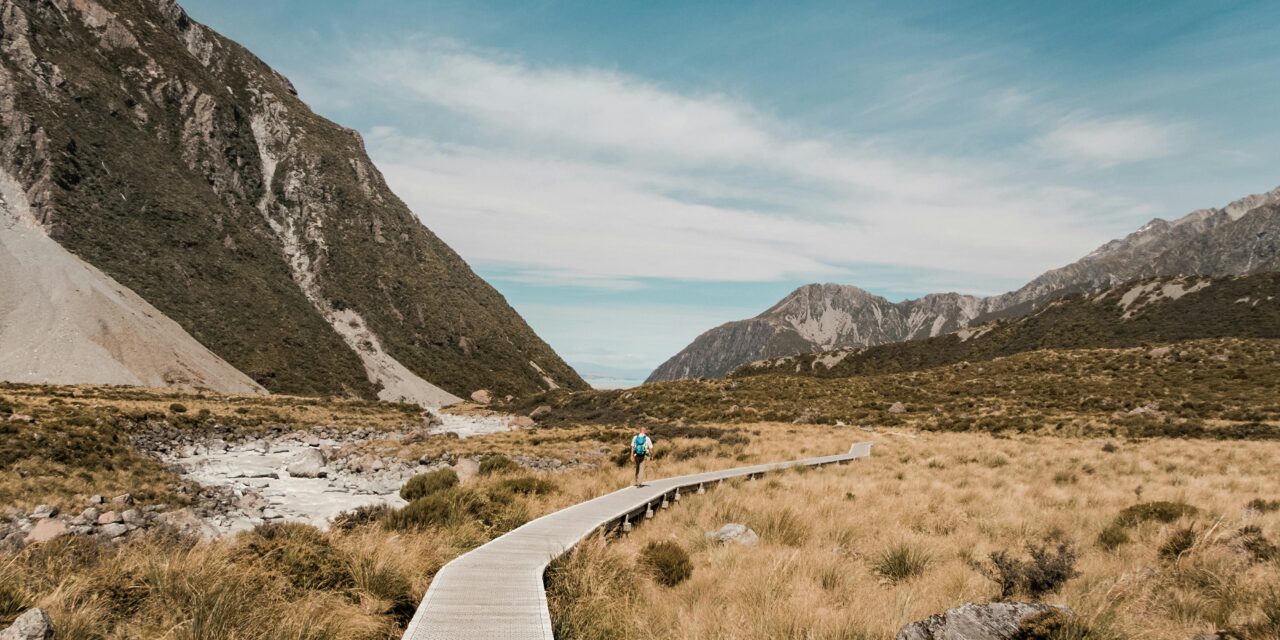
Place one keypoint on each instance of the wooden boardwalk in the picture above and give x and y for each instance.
(495, 592)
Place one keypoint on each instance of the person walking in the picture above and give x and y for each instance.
(641, 449)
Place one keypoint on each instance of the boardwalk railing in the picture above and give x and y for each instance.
(495, 591)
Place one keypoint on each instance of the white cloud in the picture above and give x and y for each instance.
(1104, 143)
(594, 177)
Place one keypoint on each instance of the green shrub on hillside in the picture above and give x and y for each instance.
(667, 562)
(425, 484)
(496, 464)
(300, 551)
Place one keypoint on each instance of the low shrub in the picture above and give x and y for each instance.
(1163, 511)
(299, 551)
(497, 464)
(178, 408)
(450, 506)
(1263, 506)
(1046, 570)
(1053, 624)
(1112, 537)
(361, 516)
(13, 598)
(667, 562)
(1177, 543)
(425, 484)
(525, 485)
(1252, 541)
(901, 562)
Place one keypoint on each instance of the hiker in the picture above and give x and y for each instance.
(641, 449)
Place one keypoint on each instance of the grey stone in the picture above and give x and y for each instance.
(110, 517)
(44, 511)
(992, 621)
(482, 396)
(307, 464)
(32, 625)
(734, 533)
(90, 515)
(1160, 352)
(124, 498)
(132, 516)
(112, 531)
(521, 422)
(898, 407)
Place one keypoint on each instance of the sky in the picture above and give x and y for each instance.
(631, 174)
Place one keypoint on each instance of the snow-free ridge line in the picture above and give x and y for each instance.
(495, 591)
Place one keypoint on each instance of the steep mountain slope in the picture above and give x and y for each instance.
(63, 321)
(190, 172)
(1155, 311)
(818, 317)
(1240, 238)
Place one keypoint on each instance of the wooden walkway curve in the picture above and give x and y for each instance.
(495, 591)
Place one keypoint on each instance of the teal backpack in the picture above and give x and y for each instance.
(640, 445)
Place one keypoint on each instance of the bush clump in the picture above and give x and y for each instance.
(1178, 543)
(901, 562)
(1112, 537)
(299, 551)
(425, 484)
(361, 516)
(1263, 506)
(525, 486)
(1162, 511)
(1054, 624)
(1046, 570)
(667, 562)
(178, 407)
(442, 508)
(497, 464)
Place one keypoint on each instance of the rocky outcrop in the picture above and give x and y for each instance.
(190, 174)
(1239, 239)
(994, 621)
(734, 533)
(814, 318)
(32, 625)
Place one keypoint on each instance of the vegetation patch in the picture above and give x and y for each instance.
(901, 562)
(667, 562)
(1046, 570)
(425, 484)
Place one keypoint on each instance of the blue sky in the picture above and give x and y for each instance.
(630, 174)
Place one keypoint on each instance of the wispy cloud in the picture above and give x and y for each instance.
(598, 177)
(1107, 142)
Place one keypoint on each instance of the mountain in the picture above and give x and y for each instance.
(188, 172)
(1153, 311)
(818, 317)
(1240, 238)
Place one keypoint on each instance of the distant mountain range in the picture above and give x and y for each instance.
(1240, 238)
(175, 177)
(1158, 311)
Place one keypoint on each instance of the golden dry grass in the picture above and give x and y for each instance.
(954, 498)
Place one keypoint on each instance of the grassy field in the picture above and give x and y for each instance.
(1024, 478)
(857, 551)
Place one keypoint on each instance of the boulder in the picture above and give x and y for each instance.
(46, 530)
(540, 412)
(466, 468)
(32, 625)
(431, 419)
(482, 396)
(734, 533)
(308, 463)
(124, 499)
(44, 511)
(992, 621)
(110, 517)
(898, 407)
(186, 521)
(90, 515)
(521, 422)
(112, 531)
(132, 516)
(1160, 352)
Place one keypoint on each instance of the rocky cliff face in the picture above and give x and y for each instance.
(1240, 238)
(819, 317)
(186, 169)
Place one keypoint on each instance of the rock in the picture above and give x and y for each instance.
(97, 500)
(125, 499)
(186, 521)
(110, 517)
(734, 533)
(90, 515)
(307, 464)
(521, 422)
(112, 531)
(482, 396)
(1160, 352)
(431, 419)
(1221, 357)
(132, 516)
(1150, 407)
(45, 530)
(466, 468)
(540, 412)
(21, 417)
(898, 407)
(44, 511)
(993, 621)
(32, 625)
